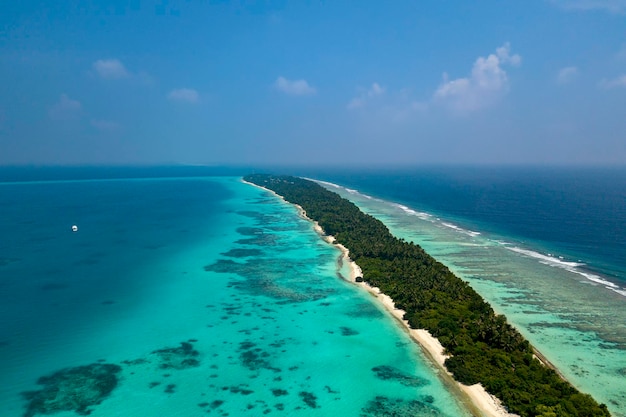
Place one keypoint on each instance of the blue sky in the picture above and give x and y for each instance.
(313, 82)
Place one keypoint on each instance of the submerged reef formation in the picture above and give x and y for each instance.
(243, 253)
(309, 398)
(483, 347)
(254, 358)
(390, 373)
(73, 389)
(182, 357)
(387, 407)
(268, 277)
(81, 388)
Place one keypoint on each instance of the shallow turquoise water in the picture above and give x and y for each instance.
(578, 323)
(212, 296)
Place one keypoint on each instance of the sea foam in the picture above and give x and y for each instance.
(572, 267)
(330, 184)
(421, 215)
(349, 190)
(460, 229)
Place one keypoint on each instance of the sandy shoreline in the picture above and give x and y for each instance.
(483, 403)
(479, 401)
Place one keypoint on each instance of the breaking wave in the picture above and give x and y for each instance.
(573, 267)
(421, 215)
(460, 229)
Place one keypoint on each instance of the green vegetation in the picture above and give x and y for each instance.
(484, 347)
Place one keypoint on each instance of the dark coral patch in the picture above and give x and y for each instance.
(346, 331)
(250, 231)
(259, 240)
(330, 390)
(139, 361)
(73, 389)
(383, 407)
(255, 360)
(309, 398)
(241, 389)
(182, 357)
(390, 373)
(265, 277)
(243, 253)
(216, 403)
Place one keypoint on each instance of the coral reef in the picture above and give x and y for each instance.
(72, 389)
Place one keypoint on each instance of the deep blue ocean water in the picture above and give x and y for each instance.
(575, 212)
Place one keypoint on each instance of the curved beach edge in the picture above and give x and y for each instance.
(479, 401)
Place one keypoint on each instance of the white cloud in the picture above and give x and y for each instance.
(110, 69)
(619, 82)
(365, 95)
(504, 53)
(65, 109)
(611, 6)
(566, 75)
(294, 87)
(105, 125)
(185, 95)
(487, 82)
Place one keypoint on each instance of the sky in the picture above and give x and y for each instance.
(347, 83)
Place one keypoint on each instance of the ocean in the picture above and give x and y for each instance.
(186, 292)
(544, 246)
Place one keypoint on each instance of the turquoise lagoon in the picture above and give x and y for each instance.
(206, 296)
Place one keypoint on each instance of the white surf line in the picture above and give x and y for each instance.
(409, 211)
(568, 266)
(348, 190)
(460, 229)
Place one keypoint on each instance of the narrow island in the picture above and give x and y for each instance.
(480, 347)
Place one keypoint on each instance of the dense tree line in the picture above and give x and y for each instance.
(484, 348)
